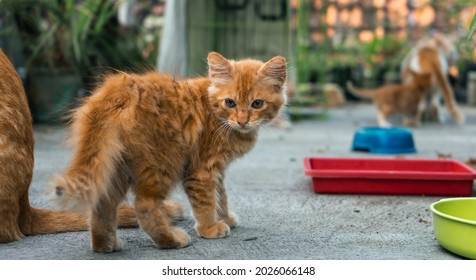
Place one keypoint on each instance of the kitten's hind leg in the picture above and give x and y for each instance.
(412, 117)
(151, 191)
(103, 226)
(104, 214)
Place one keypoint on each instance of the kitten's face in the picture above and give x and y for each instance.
(248, 93)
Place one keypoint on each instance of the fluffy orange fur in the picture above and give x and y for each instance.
(398, 98)
(149, 132)
(17, 217)
(433, 55)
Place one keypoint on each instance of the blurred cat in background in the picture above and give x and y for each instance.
(404, 98)
(434, 55)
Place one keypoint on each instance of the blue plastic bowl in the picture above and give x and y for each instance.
(384, 140)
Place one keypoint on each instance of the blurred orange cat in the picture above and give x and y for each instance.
(434, 55)
(398, 98)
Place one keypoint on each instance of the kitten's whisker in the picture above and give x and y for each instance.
(220, 131)
(228, 128)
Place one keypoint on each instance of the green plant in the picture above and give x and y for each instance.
(80, 35)
(472, 27)
(465, 49)
(386, 50)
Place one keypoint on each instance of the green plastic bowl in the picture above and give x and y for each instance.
(454, 224)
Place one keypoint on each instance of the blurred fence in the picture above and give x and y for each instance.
(237, 29)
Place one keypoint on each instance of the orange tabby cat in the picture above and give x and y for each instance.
(397, 98)
(17, 217)
(158, 131)
(433, 55)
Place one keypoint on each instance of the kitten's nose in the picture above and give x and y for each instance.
(242, 124)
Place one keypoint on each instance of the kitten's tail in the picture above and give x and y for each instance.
(96, 160)
(94, 171)
(363, 93)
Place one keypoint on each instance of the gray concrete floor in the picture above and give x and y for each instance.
(280, 215)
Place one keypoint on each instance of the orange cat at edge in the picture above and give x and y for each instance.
(403, 98)
(17, 217)
(154, 132)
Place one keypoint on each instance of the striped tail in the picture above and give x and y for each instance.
(363, 93)
(96, 160)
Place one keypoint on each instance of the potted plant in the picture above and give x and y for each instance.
(381, 57)
(65, 44)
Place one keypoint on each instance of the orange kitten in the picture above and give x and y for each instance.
(154, 131)
(17, 217)
(398, 98)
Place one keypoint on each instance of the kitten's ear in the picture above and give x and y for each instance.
(220, 70)
(274, 72)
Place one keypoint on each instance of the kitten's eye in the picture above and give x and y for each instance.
(230, 103)
(258, 103)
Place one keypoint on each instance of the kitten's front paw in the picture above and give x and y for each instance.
(231, 220)
(218, 230)
(177, 238)
(107, 247)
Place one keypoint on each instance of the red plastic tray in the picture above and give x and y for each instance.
(390, 176)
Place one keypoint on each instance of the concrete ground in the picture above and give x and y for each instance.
(280, 215)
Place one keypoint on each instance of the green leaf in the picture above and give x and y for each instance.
(472, 27)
